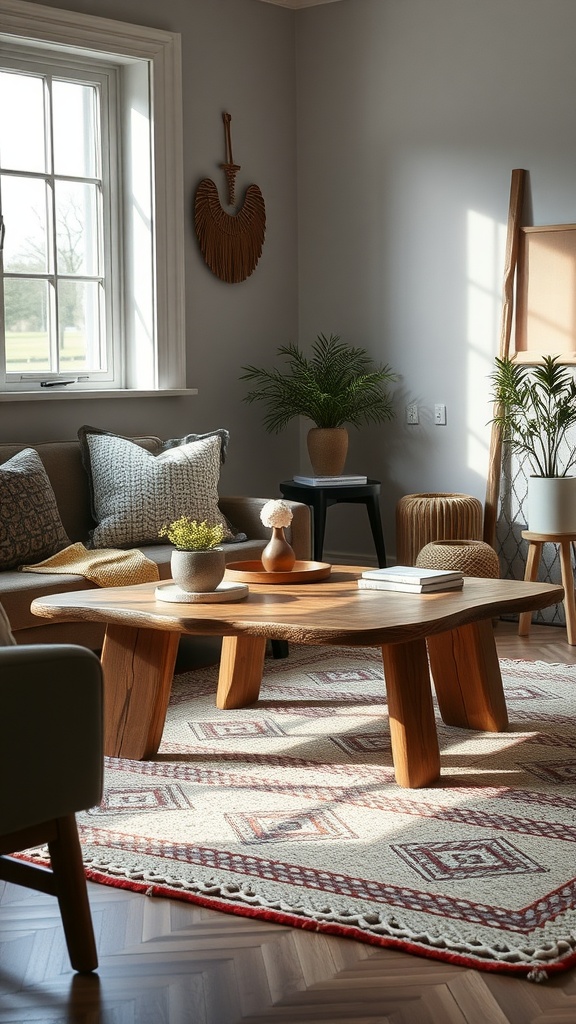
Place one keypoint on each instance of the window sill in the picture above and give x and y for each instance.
(55, 394)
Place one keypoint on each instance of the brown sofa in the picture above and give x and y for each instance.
(63, 463)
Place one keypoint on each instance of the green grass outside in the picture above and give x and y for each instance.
(29, 351)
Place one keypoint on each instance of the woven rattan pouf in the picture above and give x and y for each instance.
(470, 557)
(421, 518)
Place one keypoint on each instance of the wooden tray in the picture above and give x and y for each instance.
(253, 572)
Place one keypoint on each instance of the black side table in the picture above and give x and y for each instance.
(321, 497)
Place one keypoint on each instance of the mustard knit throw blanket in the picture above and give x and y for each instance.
(106, 567)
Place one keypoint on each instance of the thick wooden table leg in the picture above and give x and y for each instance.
(138, 666)
(467, 677)
(530, 574)
(415, 750)
(241, 667)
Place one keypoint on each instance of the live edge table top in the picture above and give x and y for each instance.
(332, 611)
(448, 635)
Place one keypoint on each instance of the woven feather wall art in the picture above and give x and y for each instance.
(231, 244)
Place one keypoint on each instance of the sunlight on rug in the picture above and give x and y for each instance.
(288, 811)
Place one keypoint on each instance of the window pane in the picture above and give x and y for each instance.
(26, 315)
(76, 228)
(25, 215)
(75, 136)
(22, 142)
(79, 313)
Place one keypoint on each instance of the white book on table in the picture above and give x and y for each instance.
(330, 481)
(412, 574)
(410, 588)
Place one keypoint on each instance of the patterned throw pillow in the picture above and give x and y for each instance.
(30, 524)
(135, 493)
(236, 535)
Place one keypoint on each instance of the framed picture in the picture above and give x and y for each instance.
(546, 293)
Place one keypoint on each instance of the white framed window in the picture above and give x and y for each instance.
(92, 268)
(62, 280)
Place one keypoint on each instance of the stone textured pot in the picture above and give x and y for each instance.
(198, 572)
(278, 555)
(327, 448)
(552, 504)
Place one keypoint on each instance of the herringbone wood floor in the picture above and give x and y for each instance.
(167, 962)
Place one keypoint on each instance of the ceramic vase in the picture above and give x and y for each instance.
(278, 556)
(552, 504)
(198, 572)
(327, 449)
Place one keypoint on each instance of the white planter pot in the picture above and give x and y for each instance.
(552, 504)
(198, 572)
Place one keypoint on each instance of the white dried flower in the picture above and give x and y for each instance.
(276, 513)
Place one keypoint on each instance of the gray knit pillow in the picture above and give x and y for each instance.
(30, 525)
(135, 493)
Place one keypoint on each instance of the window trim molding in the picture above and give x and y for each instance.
(22, 19)
(57, 394)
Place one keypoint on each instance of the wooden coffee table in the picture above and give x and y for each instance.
(451, 629)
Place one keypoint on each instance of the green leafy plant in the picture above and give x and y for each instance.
(536, 407)
(339, 384)
(189, 535)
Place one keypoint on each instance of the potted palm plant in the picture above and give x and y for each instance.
(337, 385)
(535, 410)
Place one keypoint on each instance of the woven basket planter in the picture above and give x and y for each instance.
(421, 518)
(470, 557)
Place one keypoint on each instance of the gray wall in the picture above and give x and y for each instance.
(411, 116)
(400, 121)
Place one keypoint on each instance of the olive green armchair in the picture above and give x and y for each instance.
(51, 766)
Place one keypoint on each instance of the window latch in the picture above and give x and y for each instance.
(2, 232)
(60, 383)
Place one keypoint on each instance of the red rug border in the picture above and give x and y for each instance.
(540, 972)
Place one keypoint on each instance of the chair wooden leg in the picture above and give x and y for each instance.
(568, 584)
(530, 574)
(72, 894)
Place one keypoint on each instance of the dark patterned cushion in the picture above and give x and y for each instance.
(135, 493)
(30, 524)
(224, 436)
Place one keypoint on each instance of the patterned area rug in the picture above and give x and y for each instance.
(288, 811)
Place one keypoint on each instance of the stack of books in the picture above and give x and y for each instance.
(411, 580)
(331, 481)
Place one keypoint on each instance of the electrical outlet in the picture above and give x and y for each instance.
(440, 415)
(412, 413)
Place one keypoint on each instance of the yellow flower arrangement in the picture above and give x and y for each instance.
(189, 535)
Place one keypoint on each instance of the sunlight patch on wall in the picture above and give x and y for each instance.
(486, 246)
